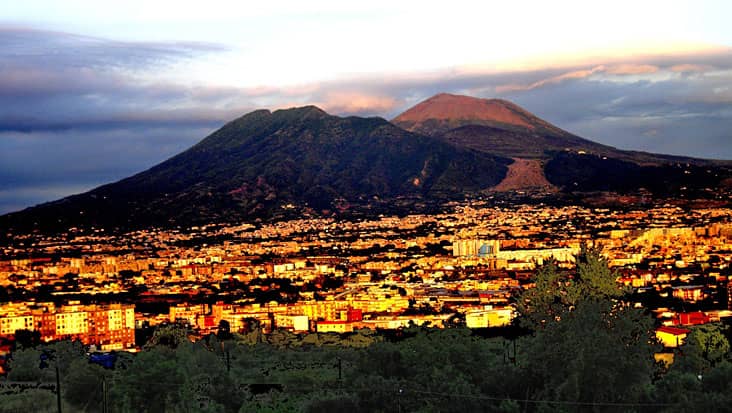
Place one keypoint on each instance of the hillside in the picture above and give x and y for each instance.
(500, 127)
(265, 160)
(548, 157)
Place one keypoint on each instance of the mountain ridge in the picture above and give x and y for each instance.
(263, 160)
(488, 132)
(259, 163)
(547, 157)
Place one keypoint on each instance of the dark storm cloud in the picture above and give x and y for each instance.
(42, 166)
(55, 157)
(74, 113)
(60, 81)
(38, 63)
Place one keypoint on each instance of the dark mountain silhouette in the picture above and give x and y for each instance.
(265, 160)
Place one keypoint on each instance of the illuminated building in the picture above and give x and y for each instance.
(110, 327)
(489, 317)
(475, 248)
(689, 292)
(671, 336)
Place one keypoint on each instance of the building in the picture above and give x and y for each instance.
(691, 293)
(489, 317)
(671, 337)
(334, 326)
(109, 327)
(297, 323)
(475, 248)
(694, 318)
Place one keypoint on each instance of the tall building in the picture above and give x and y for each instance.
(475, 248)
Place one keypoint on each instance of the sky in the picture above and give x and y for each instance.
(92, 92)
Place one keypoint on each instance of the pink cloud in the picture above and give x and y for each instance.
(631, 69)
(575, 74)
(356, 102)
(618, 70)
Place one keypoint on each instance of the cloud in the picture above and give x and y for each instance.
(51, 80)
(631, 69)
(576, 74)
(32, 46)
(356, 102)
(686, 67)
(617, 70)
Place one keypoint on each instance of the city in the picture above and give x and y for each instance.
(326, 275)
(382, 206)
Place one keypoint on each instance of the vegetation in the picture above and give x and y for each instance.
(587, 351)
(585, 172)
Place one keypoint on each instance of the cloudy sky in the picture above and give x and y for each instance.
(91, 92)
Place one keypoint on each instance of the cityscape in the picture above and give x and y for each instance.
(320, 206)
(327, 275)
(463, 268)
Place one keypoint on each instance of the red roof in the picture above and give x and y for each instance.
(673, 330)
(693, 318)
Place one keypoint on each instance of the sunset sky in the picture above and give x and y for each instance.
(91, 92)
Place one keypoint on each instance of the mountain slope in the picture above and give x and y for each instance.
(264, 160)
(547, 156)
(500, 127)
(525, 174)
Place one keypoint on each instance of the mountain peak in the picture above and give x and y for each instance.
(445, 111)
(445, 106)
(304, 111)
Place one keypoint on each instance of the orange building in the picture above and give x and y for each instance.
(110, 327)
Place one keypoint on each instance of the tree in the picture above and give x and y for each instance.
(224, 330)
(282, 338)
(171, 336)
(705, 347)
(593, 279)
(25, 365)
(558, 292)
(598, 352)
(83, 385)
(33, 400)
(27, 338)
(588, 345)
(547, 300)
(711, 341)
(150, 384)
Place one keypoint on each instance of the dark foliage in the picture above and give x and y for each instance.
(585, 172)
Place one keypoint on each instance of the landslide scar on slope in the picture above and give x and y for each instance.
(525, 174)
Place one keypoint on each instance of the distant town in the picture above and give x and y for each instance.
(461, 267)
